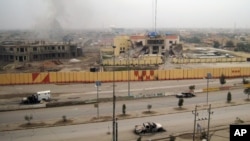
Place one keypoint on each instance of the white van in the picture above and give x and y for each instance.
(43, 95)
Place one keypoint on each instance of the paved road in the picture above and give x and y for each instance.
(89, 90)
(180, 122)
(89, 111)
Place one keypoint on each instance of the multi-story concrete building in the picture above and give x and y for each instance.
(37, 51)
(171, 39)
(138, 39)
(154, 43)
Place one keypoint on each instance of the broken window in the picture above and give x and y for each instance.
(34, 48)
(35, 57)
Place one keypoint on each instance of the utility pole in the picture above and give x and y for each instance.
(129, 69)
(116, 131)
(97, 84)
(201, 119)
(114, 123)
(208, 125)
(209, 76)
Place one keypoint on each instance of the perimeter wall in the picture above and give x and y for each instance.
(133, 75)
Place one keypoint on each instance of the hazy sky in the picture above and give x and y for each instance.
(79, 14)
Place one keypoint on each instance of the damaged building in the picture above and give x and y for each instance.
(37, 51)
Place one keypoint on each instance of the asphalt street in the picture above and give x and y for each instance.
(180, 122)
(105, 108)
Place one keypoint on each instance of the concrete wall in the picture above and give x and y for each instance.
(144, 60)
(207, 60)
(135, 75)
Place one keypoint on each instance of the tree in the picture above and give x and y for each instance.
(180, 103)
(230, 44)
(244, 81)
(64, 118)
(193, 40)
(171, 138)
(229, 97)
(149, 107)
(124, 109)
(139, 139)
(247, 91)
(203, 135)
(191, 88)
(222, 79)
(245, 47)
(216, 44)
(28, 118)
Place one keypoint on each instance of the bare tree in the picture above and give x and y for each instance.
(124, 109)
(149, 107)
(180, 103)
(247, 91)
(28, 118)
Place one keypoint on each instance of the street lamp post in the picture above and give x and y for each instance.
(209, 76)
(128, 71)
(114, 122)
(97, 84)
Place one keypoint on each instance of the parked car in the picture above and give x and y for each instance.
(148, 127)
(185, 95)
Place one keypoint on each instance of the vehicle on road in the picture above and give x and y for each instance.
(37, 97)
(148, 127)
(185, 95)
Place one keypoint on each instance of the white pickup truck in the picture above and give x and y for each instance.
(37, 97)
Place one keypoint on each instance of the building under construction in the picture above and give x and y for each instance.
(37, 51)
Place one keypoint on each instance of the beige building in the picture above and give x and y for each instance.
(121, 44)
(156, 45)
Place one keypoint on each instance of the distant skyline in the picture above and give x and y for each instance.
(89, 14)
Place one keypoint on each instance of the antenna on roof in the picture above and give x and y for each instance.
(155, 13)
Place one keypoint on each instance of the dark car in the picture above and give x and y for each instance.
(185, 95)
(148, 127)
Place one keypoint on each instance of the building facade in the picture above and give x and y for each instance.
(155, 43)
(170, 40)
(28, 52)
(121, 44)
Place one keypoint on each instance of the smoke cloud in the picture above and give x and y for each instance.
(49, 26)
